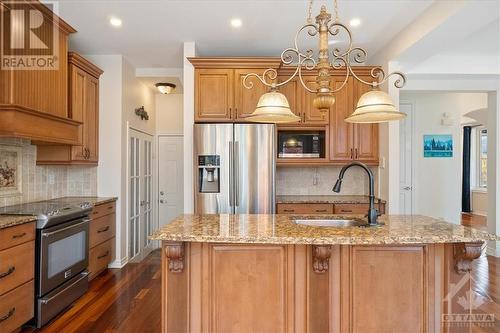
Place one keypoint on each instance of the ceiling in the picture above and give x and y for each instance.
(153, 31)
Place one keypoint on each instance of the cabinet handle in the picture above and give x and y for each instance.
(321, 210)
(289, 210)
(19, 235)
(356, 153)
(8, 272)
(110, 207)
(103, 255)
(346, 210)
(103, 230)
(352, 153)
(8, 315)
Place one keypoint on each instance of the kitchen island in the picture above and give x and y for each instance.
(266, 273)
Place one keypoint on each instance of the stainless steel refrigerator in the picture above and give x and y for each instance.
(234, 168)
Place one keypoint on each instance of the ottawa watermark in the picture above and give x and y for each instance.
(464, 298)
(29, 35)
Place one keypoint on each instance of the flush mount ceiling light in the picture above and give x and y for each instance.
(165, 88)
(355, 22)
(236, 23)
(115, 22)
(379, 104)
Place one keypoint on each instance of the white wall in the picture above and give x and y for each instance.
(188, 116)
(437, 182)
(120, 92)
(169, 117)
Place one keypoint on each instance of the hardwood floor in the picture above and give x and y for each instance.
(128, 300)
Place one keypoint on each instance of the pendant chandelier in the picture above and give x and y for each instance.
(374, 106)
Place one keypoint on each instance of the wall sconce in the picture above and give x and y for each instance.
(165, 88)
(142, 113)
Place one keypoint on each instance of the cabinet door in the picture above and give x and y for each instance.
(214, 95)
(341, 132)
(92, 118)
(291, 90)
(311, 115)
(77, 107)
(246, 99)
(365, 135)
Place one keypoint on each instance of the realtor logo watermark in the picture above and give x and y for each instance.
(29, 36)
(471, 304)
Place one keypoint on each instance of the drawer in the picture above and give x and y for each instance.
(100, 256)
(17, 307)
(16, 235)
(104, 209)
(17, 266)
(289, 208)
(356, 208)
(102, 229)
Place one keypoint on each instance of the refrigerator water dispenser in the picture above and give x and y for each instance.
(209, 173)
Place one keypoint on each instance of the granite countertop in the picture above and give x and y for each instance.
(78, 200)
(335, 199)
(281, 229)
(13, 220)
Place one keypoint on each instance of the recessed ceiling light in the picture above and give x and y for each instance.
(355, 22)
(236, 23)
(333, 41)
(115, 22)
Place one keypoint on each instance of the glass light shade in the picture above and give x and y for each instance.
(375, 106)
(165, 88)
(273, 107)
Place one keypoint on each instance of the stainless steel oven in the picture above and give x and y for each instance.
(63, 253)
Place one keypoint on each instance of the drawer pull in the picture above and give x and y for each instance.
(110, 207)
(346, 210)
(321, 210)
(8, 272)
(103, 229)
(103, 255)
(19, 235)
(8, 315)
(289, 210)
(95, 212)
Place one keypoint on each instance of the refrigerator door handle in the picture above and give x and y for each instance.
(231, 174)
(236, 173)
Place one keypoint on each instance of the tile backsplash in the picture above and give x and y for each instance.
(48, 182)
(320, 181)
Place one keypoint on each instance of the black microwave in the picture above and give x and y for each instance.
(301, 144)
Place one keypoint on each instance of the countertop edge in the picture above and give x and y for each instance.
(15, 220)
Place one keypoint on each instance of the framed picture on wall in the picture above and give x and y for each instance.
(10, 170)
(438, 145)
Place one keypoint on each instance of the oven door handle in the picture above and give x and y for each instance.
(48, 234)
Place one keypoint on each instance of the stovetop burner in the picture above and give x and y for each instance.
(49, 213)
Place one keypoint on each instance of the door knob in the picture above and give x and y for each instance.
(162, 201)
(407, 188)
(162, 193)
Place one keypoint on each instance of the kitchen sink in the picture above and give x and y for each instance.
(336, 223)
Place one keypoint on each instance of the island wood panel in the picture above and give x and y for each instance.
(388, 288)
(214, 94)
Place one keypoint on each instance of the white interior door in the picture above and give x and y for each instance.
(140, 194)
(170, 178)
(406, 160)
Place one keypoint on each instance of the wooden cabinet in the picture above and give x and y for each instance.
(17, 266)
(311, 115)
(101, 237)
(351, 141)
(219, 92)
(214, 95)
(306, 208)
(33, 103)
(83, 107)
(357, 208)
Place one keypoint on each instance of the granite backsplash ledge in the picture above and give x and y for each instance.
(48, 182)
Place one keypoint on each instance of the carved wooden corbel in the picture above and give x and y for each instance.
(174, 252)
(464, 254)
(321, 256)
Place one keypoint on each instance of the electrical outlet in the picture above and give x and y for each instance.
(51, 178)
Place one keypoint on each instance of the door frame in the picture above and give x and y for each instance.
(157, 178)
(146, 250)
(410, 117)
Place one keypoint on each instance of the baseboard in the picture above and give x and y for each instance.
(118, 263)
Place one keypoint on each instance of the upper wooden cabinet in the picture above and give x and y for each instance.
(352, 141)
(84, 107)
(311, 115)
(219, 92)
(33, 102)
